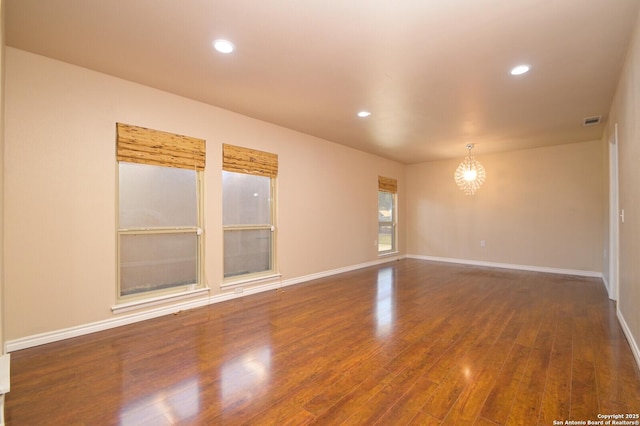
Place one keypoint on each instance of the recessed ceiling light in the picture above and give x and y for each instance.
(364, 114)
(520, 69)
(223, 46)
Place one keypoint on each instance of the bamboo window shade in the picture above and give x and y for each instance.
(386, 184)
(156, 148)
(249, 161)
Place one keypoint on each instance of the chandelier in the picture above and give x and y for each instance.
(470, 174)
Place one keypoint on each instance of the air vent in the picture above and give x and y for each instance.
(591, 121)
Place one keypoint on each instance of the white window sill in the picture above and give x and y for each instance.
(388, 254)
(247, 280)
(144, 303)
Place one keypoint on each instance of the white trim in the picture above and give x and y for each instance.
(5, 382)
(614, 217)
(67, 333)
(5, 373)
(238, 282)
(328, 273)
(627, 332)
(57, 335)
(606, 284)
(577, 272)
(143, 303)
(387, 254)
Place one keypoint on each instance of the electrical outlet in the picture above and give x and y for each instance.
(238, 290)
(483, 243)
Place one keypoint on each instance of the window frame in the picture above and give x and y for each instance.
(234, 280)
(198, 230)
(393, 223)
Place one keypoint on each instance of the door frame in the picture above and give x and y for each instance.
(614, 215)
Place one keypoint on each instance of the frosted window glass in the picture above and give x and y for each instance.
(153, 196)
(157, 261)
(385, 206)
(386, 229)
(247, 252)
(246, 199)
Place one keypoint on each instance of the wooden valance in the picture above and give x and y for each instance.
(386, 184)
(147, 146)
(249, 161)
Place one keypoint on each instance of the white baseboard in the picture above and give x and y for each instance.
(67, 333)
(627, 332)
(606, 285)
(331, 272)
(561, 271)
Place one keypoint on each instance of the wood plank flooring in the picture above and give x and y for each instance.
(406, 343)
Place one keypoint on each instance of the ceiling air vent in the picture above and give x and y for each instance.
(591, 121)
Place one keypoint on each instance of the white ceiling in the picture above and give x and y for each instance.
(434, 73)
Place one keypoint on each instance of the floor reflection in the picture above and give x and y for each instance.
(385, 302)
(176, 403)
(245, 376)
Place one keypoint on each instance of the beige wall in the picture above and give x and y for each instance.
(60, 192)
(540, 207)
(1, 176)
(625, 112)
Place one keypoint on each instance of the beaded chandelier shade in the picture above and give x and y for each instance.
(470, 174)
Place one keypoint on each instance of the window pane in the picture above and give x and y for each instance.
(247, 251)
(156, 261)
(385, 237)
(385, 206)
(246, 199)
(386, 229)
(153, 196)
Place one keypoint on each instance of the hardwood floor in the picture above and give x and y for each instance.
(409, 342)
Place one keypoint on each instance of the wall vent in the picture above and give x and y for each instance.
(591, 121)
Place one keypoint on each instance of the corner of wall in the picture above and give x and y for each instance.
(623, 125)
(2, 26)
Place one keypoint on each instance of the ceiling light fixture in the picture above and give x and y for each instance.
(223, 46)
(470, 174)
(520, 69)
(363, 114)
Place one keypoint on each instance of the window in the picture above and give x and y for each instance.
(159, 229)
(248, 213)
(387, 189)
